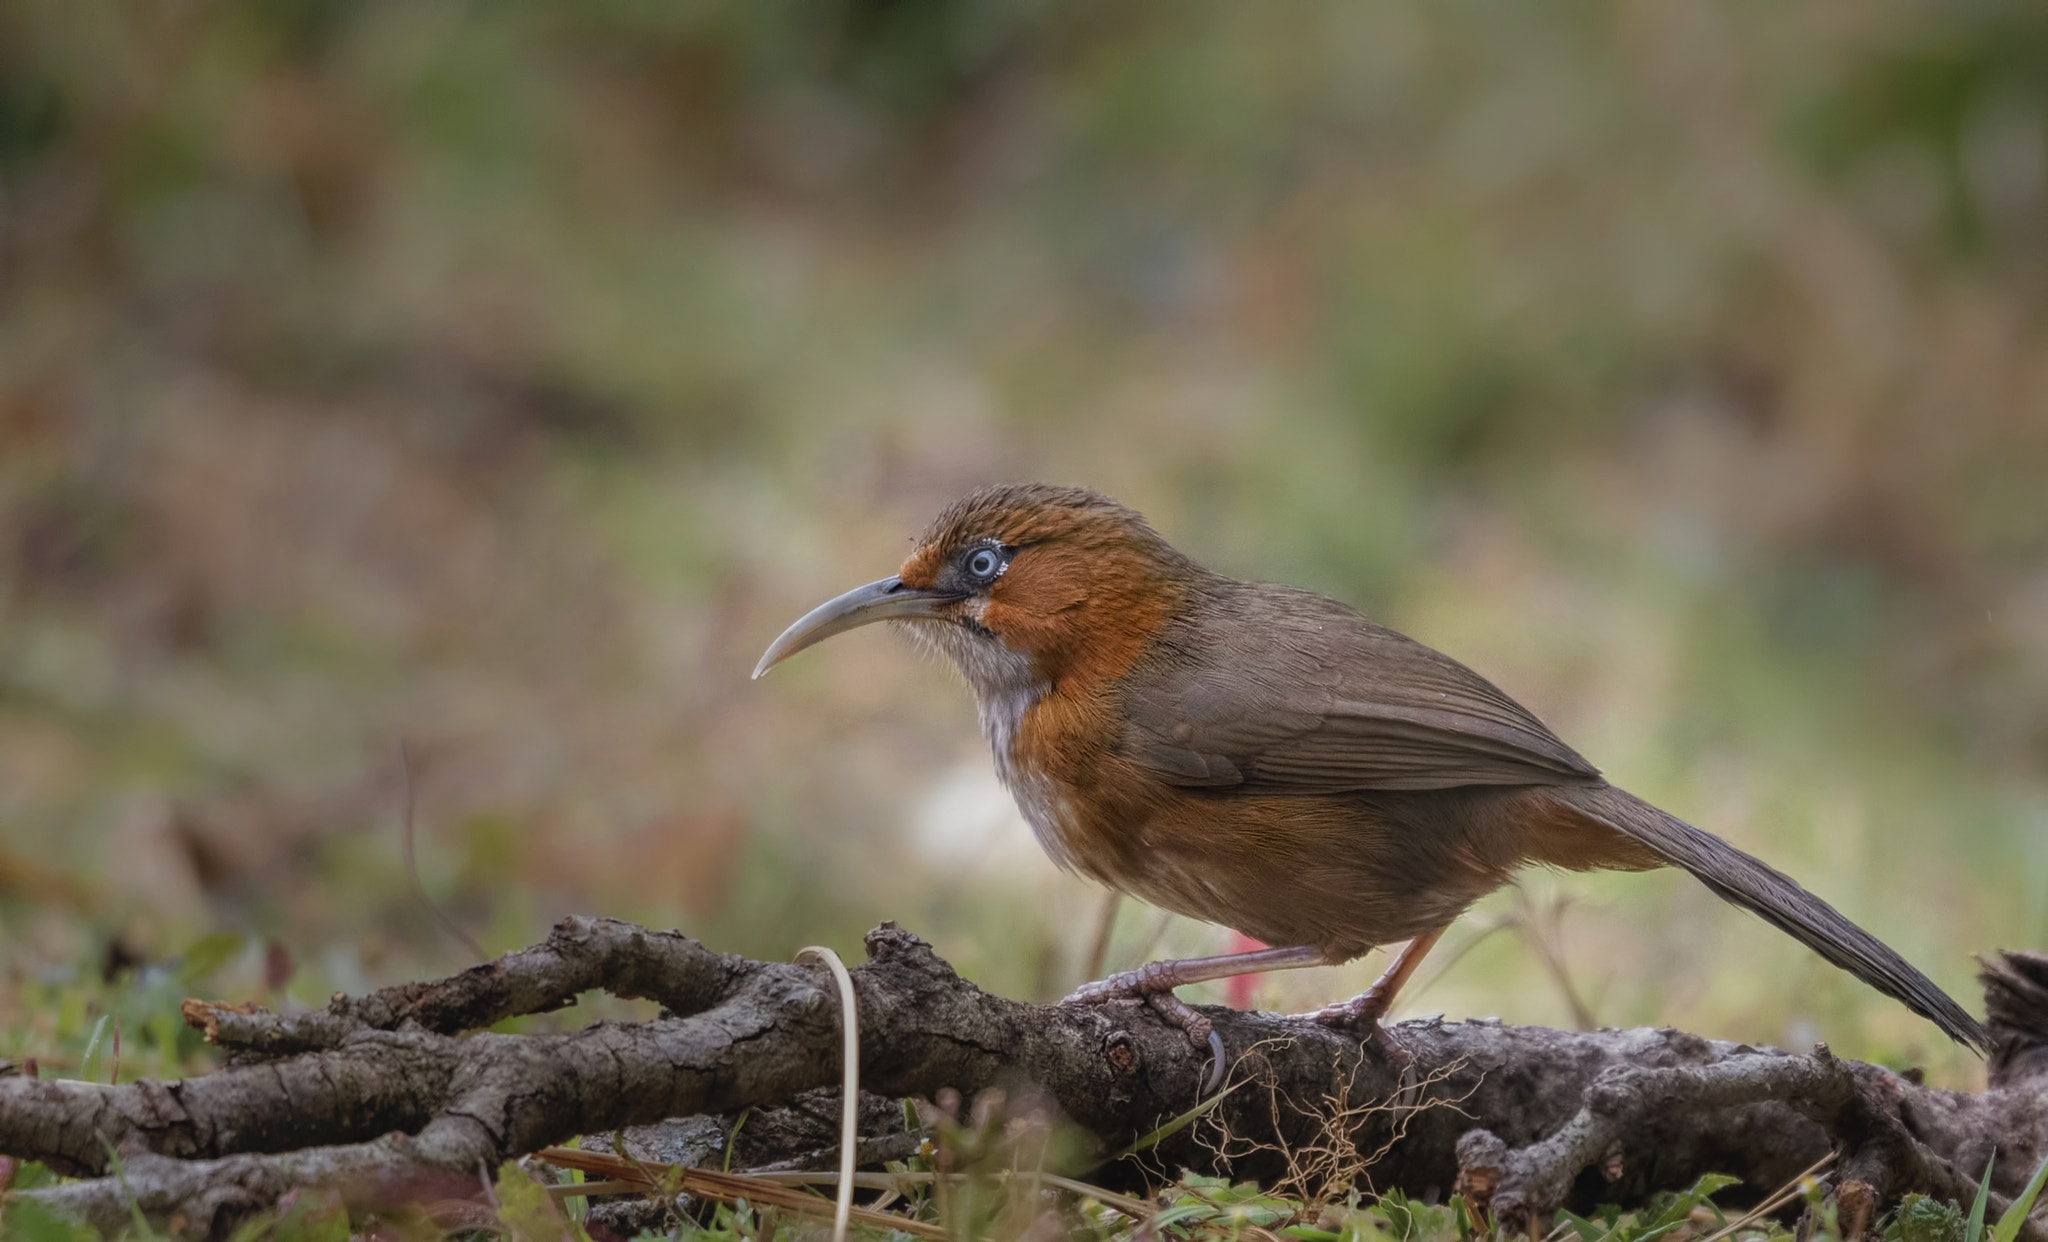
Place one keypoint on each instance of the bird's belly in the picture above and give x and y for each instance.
(1342, 874)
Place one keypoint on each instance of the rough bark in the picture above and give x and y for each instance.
(397, 1094)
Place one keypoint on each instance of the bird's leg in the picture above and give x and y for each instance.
(1154, 983)
(1368, 1007)
(1155, 977)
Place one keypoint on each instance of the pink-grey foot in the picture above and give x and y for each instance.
(1363, 1013)
(1154, 983)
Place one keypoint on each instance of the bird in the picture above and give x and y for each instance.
(1268, 759)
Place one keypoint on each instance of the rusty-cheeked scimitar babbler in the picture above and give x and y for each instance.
(1268, 759)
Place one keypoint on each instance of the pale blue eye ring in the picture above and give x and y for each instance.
(983, 563)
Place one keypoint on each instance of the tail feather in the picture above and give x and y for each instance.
(1781, 902)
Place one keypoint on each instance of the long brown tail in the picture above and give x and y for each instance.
(1778, 900)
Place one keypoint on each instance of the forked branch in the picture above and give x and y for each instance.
(402, 1094)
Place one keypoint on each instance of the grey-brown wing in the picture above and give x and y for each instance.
(1297, 693)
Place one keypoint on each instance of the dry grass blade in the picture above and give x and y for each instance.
(849, 1108)
(771, 1191)
(1137, 1209)
(623, 1175)
(1777, 1199)
(1177, 1124)
(581, 1189)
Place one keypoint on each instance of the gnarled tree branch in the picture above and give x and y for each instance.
(391, 1096)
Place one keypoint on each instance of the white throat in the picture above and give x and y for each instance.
(1005, 686)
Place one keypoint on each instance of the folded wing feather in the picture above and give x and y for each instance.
(1296, 693)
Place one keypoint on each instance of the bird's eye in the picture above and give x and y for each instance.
(983, 564)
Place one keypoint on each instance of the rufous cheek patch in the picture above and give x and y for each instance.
(1041, 582)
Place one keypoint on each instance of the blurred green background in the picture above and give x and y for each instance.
(494, 381)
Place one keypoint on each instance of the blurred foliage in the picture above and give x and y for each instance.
(497, 380)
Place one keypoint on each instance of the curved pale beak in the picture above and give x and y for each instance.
(886, 600)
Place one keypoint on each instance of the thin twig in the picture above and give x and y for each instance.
(1541, 929)
(875, 1181)
(1153, 936)
(1443, 963)
(412, 867)
(1105, 924)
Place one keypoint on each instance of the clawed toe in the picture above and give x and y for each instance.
(1200, 1032)
(1123, 985)
(1154, 983)
(1147, 980)
(1362, 1013)
(1149, 986)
